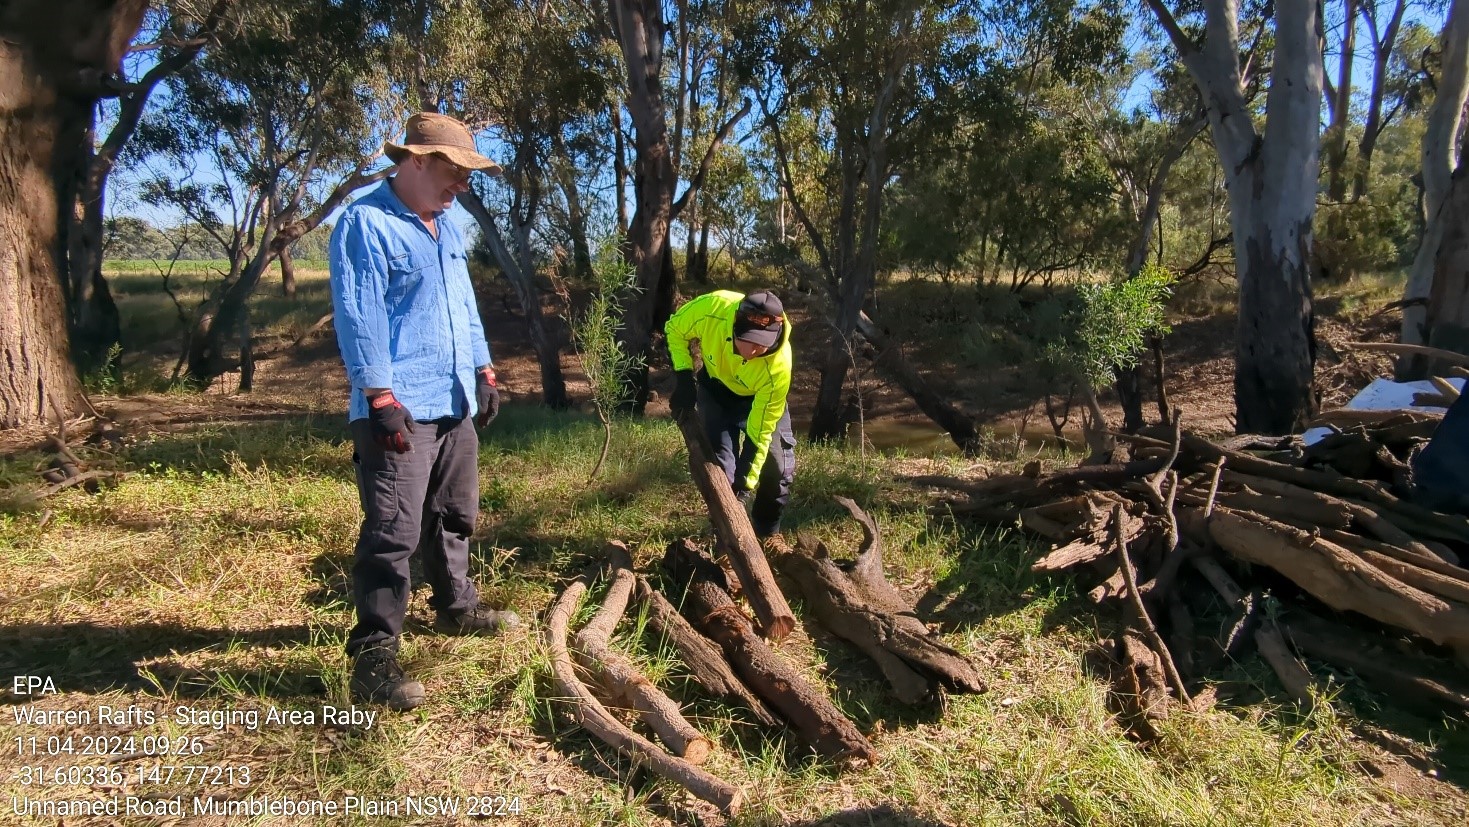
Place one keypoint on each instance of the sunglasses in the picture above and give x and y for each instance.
(459, 172)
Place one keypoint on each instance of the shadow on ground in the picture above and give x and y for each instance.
(95, 658)
(882, 816)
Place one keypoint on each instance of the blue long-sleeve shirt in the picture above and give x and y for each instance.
(406, 316)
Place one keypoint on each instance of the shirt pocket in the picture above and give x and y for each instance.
(407, 273)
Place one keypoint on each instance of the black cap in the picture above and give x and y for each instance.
(759, 319)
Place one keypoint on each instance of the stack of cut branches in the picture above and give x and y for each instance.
(1326, 536)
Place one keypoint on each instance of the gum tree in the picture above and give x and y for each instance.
(1271, 176)
(57, 59)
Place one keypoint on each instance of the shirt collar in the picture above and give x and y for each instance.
(390, 201)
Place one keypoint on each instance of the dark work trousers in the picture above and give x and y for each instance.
(724, 414)
(1441, 469)
(424, 499)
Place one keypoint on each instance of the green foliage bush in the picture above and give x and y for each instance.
(1109, 325)
(1357, 237)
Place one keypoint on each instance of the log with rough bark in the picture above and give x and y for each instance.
(815, 718)
(1341, 579)
(1419, 679)
(1140, 611)
(592, 648)
(1093, 545)
(700, 654)
(1346, 417)
(594, 717)
(1409, 516)
(1431, 562)
(736, 535)
(1370, 517)
(1142, 685)
(866, 611)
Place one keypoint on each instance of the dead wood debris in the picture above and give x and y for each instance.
(1307, 529)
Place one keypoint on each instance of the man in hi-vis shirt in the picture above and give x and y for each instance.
(740, 393)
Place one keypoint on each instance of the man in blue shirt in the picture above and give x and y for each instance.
(410, 334)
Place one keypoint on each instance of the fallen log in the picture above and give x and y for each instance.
(815, 718)
(1142, 686)
(832, 599)
(1094, 544)
(700, 654)
(1340, 579)
(1446, 356)
(732, 527)
(864, 614)
(1449, 588)
(1140, 611)
(589, 712)
(1346, 417)
(593, 650)
(1405, 677)
(1370, 517)
(1430, 562)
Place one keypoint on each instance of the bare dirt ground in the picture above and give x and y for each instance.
(1199, 377)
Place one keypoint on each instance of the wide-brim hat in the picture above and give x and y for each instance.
(760, 319)
(430, 133)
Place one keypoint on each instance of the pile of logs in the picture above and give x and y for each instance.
(731, 656)
(1326, 535)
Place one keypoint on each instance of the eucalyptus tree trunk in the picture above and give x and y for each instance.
(1441, 162)
(522, 279)
(576, 211)
(856, 247)
(1448, 300)
(1384, 39)
(54, 58)
(1340, 104)
(93, 323)
(288, 273)
(638, 25)
(1271, 180)
(1129, 381)
(223, 323)
(95, 326)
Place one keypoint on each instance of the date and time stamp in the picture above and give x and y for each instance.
(139, 761)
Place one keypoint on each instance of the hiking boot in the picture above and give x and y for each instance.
(775, 545)
(480, 619)
(377, 678)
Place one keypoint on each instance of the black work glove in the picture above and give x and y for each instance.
(487, 397)
(685, 392)
(391, 423)
(743, 495)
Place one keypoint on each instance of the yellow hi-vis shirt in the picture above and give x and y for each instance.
(709, 320)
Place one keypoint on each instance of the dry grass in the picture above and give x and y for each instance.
(214, 577)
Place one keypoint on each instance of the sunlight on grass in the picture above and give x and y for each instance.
(217, 574)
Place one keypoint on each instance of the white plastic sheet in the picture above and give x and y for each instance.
(1385, 395)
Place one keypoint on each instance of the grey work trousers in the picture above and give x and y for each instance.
(426, 499)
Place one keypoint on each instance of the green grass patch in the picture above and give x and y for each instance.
(216, 575)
